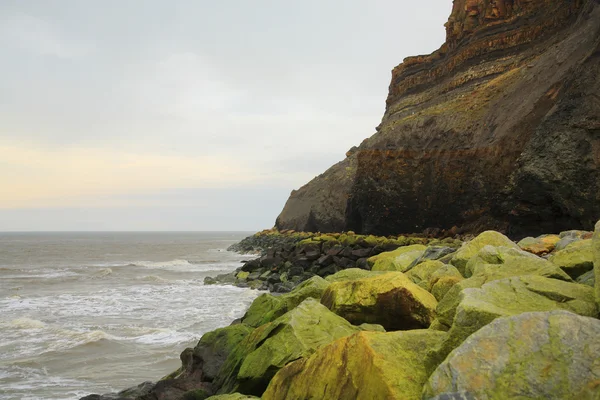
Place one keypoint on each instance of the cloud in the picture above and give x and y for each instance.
(73, 176)
(38, 36)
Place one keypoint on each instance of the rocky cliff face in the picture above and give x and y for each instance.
(498, 129)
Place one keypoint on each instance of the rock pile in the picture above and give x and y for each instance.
(492, 320)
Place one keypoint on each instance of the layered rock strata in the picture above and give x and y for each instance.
(498, 129)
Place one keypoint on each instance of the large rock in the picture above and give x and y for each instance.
(495, 130)
(576, 259)
(490, 264)
(232, 396)
(505, 297)
(596, 242)
(489, 260)
(364, 366)
(391, 300)
(398, 260)
(540, 245)
(351, 274)
(471, 248)
(537, 355)
(266, 307)
(296, 334)
(200, 366)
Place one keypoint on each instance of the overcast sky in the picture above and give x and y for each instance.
(191, 114)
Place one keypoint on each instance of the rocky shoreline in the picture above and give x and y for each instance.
(485, 318)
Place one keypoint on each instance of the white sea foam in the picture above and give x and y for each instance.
(27, 323)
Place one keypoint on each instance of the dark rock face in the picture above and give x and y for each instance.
(498, 129)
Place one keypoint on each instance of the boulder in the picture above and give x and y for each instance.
(511, 296)
(296, 334)
(490, 260)
(596, 243)
(587, 279)
(540, 245)
(434, 253)
(364, 366)
(470, 249)
(397, 260)
(421, 273)
(575, 259)
(513, 263)
(266, 307)
(534, 355)
(232, 396)
(351, 274)
(199, 366)
(391, 300)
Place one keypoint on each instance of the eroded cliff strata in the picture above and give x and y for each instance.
(498, 129)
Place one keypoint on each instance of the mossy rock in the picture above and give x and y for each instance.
(232, 396)
(540, 245)
(470, 249)
(195, 394)
(351, 274)
(397, 260)
(576, 259)
(371, 327)
(534, 355)
(490, 260)
(442, 286)
(596, 244)
(506, 297)
(514, 262)
(587, 279)
(242, 275)
(391, 300)
(266, 307)
(421, 273)
(364, 366)
(296, 334)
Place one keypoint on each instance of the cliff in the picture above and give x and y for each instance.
(498, 129)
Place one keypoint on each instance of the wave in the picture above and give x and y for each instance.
(152, 278)
(27, 323)
(161, 264)
(103, 273)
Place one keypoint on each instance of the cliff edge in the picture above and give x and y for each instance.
(498, 129)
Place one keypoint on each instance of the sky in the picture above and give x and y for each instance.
(188, 114)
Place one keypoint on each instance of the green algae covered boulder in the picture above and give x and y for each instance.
(511, 296)
(470, 249)
(391, 300)
(540, 245)
(512, 263)
(364, 366)
(596, 243)
(536, 355)
(296, 334)
(397, 260)
(232, 396)
(421, 273)
(351, 274)
(576, 259)
(491, 260)
(266, 307)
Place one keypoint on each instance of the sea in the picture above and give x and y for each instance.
(84, 312)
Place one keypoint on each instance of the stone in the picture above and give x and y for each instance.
(511, 296)
(397, 260)
(596, 243)
(232, 396)
(391, 300)
(433, 253)
(266, 307)
(540, 245)
(364, 366)
(470, 249)
(351, 274)
(534, 355)
(575, 259)
(298, 333)
(587, 279)
(421, 273)
(489, 260)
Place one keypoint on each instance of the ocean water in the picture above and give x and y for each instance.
(85, 313)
